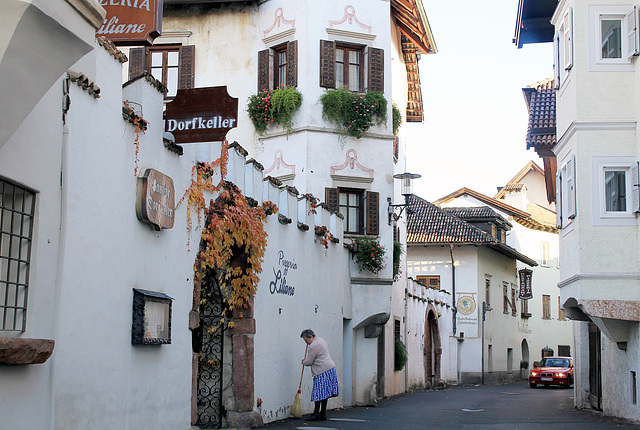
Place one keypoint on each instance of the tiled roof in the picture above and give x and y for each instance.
(476, 213)
(112, 49)
(541, 103)
(85, 83)
(499, 204)
(429, 224)
(514, 183)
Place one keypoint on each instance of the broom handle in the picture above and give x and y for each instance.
(302, 373)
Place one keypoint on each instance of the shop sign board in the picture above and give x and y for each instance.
(131, 22)
(155, 202)
(201, 115)
(525, 284)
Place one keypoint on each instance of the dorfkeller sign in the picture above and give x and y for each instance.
(201, 115)
(525, 284)
(155, 200)
(131, 22)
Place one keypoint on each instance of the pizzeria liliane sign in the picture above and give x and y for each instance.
(201, 115)
(131, 22)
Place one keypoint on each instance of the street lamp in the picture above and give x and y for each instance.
(405, 189)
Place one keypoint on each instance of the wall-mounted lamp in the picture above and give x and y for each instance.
(405, 189)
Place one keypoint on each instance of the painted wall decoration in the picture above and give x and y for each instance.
(131, 22)
(467, 316)
(278, 21)
(155, 202)
(279, 283)
(280, 169)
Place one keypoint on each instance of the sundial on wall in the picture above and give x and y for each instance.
(466, 305)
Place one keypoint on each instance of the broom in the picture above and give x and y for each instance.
(296, 408)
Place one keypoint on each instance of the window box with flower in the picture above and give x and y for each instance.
(274, 107)
(369, 254)
(354, 112)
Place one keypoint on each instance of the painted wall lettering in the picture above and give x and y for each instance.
(279, 284)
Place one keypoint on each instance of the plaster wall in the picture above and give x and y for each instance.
(38, 141)
(617, 384)
(317, 278)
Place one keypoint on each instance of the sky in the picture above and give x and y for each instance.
(475, 116)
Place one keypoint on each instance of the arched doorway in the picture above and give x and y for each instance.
(432, 348)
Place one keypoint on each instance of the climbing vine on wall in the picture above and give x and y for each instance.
(233, 239)
(129, 114)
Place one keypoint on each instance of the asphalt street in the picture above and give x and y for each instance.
(507, 406)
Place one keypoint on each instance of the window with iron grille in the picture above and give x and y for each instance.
(17, 207)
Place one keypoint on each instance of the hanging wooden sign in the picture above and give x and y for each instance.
(525, 284)
(155, 203)
(131, 22)
(201, 115)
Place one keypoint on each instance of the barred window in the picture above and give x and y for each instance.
(17, 207)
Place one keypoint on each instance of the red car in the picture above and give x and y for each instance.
(552, 371)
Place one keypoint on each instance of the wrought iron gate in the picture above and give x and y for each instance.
(211, 349)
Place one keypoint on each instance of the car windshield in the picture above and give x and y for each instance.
(554, 362)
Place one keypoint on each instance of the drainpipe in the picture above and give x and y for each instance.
(453, 289)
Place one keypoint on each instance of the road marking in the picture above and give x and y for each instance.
(473, 410)
(315, 428)
(349, 420)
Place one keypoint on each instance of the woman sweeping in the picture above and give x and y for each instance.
(323, 369)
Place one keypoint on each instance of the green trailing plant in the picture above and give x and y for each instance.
(524, 364)
(369, 254)
(354, 112)
(397, 252)
(397, 118)
(400, 356)
(274, 107)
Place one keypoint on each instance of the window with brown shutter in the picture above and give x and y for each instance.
(356, 207)
(173, 65)
(376, 70)
(343, 65)
(278, 67)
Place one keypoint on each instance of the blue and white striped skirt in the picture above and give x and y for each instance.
(325, 385)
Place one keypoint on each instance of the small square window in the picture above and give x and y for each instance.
(611, 37)
(615, 190)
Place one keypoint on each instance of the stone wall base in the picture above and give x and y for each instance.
(244, 419)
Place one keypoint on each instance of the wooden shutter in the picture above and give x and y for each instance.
(187, 67)
(375, 79)
(373, 217)
(137, 64)
(331, 199)
(635, 187)
(632, 34)
(292, 64)
(559, 199)
(568, 40)
(263, 70)
(327, 64)
(571, 187)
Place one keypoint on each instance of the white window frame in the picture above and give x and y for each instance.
(563, 49)
(566, 198)
(600, 165)
(628, 16)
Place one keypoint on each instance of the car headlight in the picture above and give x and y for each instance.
(534, 373)
(560, 375)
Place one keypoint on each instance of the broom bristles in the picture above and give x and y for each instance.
(296, 408)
